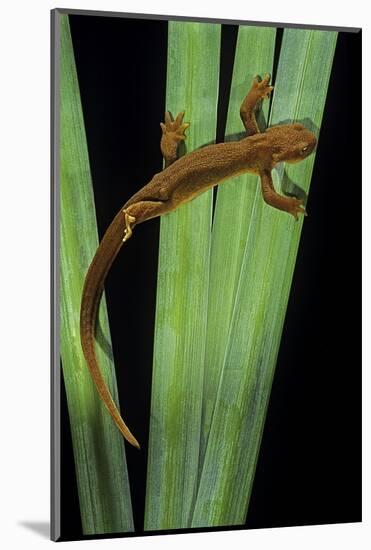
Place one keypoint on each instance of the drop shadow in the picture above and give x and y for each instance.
(291, 189)
(307, 122)
(182, 149)
(261, 119)
(41, 528)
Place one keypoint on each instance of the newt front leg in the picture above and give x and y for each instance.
(260, 89)
(172, 135)
(288, 204)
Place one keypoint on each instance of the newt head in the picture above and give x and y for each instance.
(291, 142)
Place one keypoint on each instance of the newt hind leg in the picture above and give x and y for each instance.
(260, 89)
(129, 222)
(141, 211)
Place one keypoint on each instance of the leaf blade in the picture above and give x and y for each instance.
(182, 292)
(261, 299)
(102, 479)
(234, 205)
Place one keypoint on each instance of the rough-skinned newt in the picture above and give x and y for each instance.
(182, 180)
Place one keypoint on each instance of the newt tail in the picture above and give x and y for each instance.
(91, 295)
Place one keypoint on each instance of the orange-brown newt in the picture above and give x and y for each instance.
(181, 181)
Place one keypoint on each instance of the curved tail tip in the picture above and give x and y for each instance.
(131, 439)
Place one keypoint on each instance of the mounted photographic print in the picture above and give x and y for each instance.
(206, 275)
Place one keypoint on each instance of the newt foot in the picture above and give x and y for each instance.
(172, 134)
(129, 220)
(262, 87)
(174, 129)
(295, 207)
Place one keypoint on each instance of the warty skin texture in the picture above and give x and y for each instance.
(182, 180)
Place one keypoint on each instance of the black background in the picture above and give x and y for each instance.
(309, 468)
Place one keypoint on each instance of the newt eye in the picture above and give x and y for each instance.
(304, 149)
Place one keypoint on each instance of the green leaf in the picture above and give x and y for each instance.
(98, 447)
(261, 296)
(182, 292)
(235, 200)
